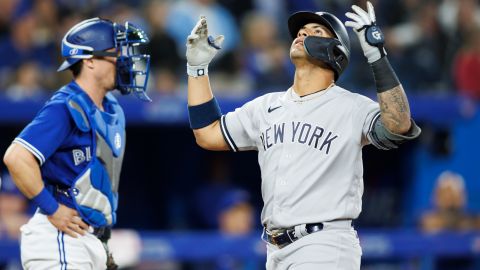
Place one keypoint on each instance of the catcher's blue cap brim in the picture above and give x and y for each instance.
(68, 63)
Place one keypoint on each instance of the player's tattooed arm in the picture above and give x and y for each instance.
(395, 110)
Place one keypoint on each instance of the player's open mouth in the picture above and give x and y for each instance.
(299, 41)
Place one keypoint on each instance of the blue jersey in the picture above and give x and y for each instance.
(62, 149)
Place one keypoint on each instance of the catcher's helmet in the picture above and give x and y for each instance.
(94, 36)
(335, 52)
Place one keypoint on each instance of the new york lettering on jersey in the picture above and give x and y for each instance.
(298, 132)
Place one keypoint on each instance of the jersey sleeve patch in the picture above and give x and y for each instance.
(227, 136)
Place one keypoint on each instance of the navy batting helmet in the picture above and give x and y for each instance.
(335, 52)
(94, 36)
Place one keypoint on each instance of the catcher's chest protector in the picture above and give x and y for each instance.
(95, 190)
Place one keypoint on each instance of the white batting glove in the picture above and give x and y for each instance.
(370, 36)
(201, 48)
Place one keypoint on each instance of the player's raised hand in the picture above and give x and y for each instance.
(201, 48)
(370, 36)
(68, 221)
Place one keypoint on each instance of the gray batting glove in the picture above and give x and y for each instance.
(201, 48)
(370, 36)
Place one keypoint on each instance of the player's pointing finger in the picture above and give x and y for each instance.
(195, 29)
(371, 12)
(362, 14)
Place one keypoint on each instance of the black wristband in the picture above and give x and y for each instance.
(385, 77)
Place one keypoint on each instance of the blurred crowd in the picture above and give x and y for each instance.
(448, 211)
(434, 45)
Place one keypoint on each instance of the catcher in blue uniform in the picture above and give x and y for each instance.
(68, 159)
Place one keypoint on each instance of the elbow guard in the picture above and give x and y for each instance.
(383, 139)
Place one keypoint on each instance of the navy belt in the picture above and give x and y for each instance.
(61, 194)
(283, 237)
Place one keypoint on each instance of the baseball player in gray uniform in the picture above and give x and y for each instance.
(309, 138)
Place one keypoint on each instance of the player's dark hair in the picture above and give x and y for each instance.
(76, 68)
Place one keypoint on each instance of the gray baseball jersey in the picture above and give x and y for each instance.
(309, 152)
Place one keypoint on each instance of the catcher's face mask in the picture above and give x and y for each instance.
(133, 67)
(93, 37)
